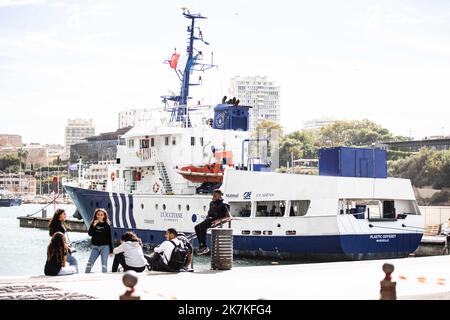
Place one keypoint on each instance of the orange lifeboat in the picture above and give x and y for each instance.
(212, 173)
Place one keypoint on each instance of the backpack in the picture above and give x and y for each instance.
(178, 258)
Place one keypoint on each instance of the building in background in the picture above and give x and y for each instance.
(18, 184)
(317, 124)
(131, 117)
(441, 143)
(261, 94)
(37, 155)
(76, 131)
(9, 144)
(11, 140)
(54, 152)
(97, 148)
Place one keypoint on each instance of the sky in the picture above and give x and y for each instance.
(388, 61)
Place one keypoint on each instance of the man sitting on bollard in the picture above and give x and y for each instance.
(170, 255)
(217, 210)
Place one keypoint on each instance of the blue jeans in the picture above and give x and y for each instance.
(102, 251)
(72, 261)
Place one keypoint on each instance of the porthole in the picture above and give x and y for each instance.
(142, 206)
(109, 205)
(92, 204)
(187, 207)
(179, 207)
(97, 205)
(204, 208)
(156, 206)
(164, 207)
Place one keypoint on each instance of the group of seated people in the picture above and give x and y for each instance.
(173, 255)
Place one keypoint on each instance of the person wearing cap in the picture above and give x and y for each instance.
(217, 210)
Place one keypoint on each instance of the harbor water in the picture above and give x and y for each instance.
(23, 250)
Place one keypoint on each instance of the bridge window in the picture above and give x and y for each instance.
(299, 208)
(131, 143)
(240, 209)
(192, 141)
(152, 142)
(145, 144)
(166, 141)
(270, 208)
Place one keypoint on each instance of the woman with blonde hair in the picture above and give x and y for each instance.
(100, 231)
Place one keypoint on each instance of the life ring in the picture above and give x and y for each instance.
(113, 176)
(156, 187)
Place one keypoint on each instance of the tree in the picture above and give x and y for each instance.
(299, 144)
(268, 126)
(22, 154)
(353, 133)
(10, 162)
(428, 167)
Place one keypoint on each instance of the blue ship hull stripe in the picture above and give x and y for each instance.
(117, 216)
(132, 221)
(124, 210)
(112, 211)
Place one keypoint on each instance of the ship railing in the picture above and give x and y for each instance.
(199, 116)
(144, 154)
(136, 187)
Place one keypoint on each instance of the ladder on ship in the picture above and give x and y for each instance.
(164, 176)
(162, 171)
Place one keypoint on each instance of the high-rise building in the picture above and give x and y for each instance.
(261, 94)
(131, 117)
(76, 131)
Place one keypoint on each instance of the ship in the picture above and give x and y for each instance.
(168, 165)
(7, 199)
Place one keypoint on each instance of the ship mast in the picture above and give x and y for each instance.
(179, 110)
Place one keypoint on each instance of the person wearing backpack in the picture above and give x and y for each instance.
(190, 254)
(170, 255)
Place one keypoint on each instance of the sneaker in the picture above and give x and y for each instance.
(202, 251)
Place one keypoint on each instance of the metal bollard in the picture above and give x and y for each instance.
(44, 213)
(221, 249)
(388, 287)
(130, 279)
